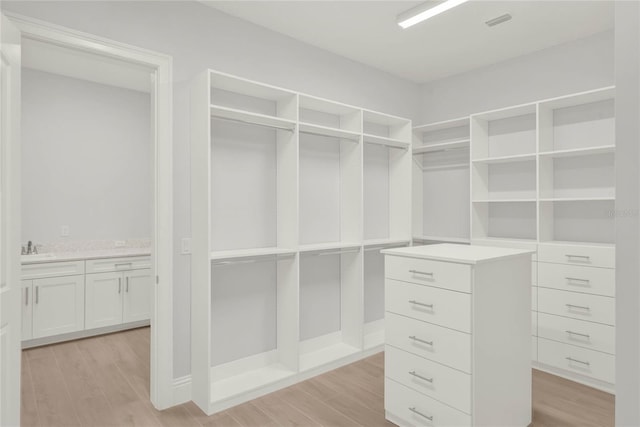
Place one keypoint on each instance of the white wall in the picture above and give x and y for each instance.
(199, 37)
(627, 209)
(85, 160)
(572, 67)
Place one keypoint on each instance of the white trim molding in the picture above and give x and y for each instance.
(160, 68)
(182, 390)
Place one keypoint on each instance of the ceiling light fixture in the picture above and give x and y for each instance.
(426, 11)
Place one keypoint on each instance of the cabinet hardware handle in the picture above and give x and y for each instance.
(415, 411)
(426, 273)
(575, 279)
(578, 334)
(123, 263)
(584, 257)
(571, 359)
(126, 289)
(26, 298)
(420, 376)
(413, 337)
(581, 307)
(420, 304)
(119, 285)
(37, 294)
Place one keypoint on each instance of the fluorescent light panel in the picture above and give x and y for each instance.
(419, 14)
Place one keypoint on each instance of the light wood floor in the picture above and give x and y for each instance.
(104, 381)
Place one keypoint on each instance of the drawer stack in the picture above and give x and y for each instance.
(576, 310)
(440, 335)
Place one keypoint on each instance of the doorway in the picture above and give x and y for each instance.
(97, 57)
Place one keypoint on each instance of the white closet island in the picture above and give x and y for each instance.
(293, 197)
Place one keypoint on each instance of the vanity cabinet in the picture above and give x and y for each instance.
(75, 298)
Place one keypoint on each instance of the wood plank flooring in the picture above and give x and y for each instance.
(104, 381)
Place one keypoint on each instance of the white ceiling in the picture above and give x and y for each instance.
(51, 58)
(451, 43)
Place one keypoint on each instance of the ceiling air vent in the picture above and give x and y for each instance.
(499, 20)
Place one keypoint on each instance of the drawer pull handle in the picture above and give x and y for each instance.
(571, 359)
(120, 285)
(578, 334)
(415, 411)
(126, 289)
(26, 298)
(575, 279)
(413, 337)
(429, 380)
(581, 307)
(424, 273)
(37, 294)
(586, 258)
(421, 304)
(123, 263)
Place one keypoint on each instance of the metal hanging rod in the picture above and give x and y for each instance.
(247, 122)
(306, 132)
(339, 252)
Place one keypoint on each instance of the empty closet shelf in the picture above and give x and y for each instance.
(249, 117)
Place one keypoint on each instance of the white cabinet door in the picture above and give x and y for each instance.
(27, 309)
(137, 295)
(58, 305)
(103, 305)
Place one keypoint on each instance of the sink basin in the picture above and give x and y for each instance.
(37, 257)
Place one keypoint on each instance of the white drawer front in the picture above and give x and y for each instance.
(416, 409)
(593, 308)
(445, 275)
(433, 342)
(592, 256)
(52, 269)
(591, 363)
(534, 323)
(447, 385)
(590, 280)
(104, 265)
(434, 305)
(577, 332)
(534, 349)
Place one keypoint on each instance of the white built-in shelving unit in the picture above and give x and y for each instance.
(293, 197)
(441, 182)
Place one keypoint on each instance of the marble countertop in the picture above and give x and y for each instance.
(84, 254)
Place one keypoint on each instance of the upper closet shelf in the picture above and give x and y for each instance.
(506, 159)
(444, 146)
(383, 140)
(313, 129)
(575, 152)
(248, 117)
(248, 254)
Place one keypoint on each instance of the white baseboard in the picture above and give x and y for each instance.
(181, 390)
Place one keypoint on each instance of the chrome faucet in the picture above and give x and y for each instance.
(30, 249)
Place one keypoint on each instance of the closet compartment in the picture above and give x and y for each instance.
(261, 347)
(330, 306)
(322, 117)
(330, 174)
(387, 194)
(497, 181)
(588, 175)
(441, 182)
(509, 221)
(507, 134)
(578, 221)
(385, 129)
(579, 123)
(243, 100)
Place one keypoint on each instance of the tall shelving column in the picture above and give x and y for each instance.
(330, 232)
(387, 209)
(576, 255)
(244, 219)
(441, 182)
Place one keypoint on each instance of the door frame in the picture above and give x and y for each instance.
(161, 66)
